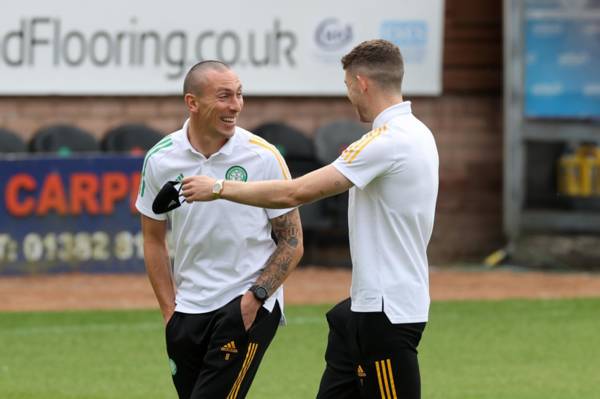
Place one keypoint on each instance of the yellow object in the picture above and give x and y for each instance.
(495, 258)
(586, 155)
(579, 172)
(596, 174)
(569, 175)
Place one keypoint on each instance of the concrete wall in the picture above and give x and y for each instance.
(466, 121)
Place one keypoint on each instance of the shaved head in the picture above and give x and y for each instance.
(195, 78)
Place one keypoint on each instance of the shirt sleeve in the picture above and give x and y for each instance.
(147, 192)
(367, 158)
(276, 169)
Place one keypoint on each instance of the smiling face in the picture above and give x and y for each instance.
(219, 102)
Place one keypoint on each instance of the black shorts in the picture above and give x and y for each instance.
(369, 357)
(212, 356)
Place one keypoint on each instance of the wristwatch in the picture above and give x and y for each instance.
(260, 292)
(218, 188)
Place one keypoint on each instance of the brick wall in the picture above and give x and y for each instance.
(466, 121)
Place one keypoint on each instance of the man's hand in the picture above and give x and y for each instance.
(197, 188)
(167, 314)
(249, 306)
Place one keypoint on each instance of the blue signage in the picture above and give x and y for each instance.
(410, 36)
(70, 214)
(562, 58)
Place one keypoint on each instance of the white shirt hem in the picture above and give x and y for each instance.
(406, 320)
(394, 319)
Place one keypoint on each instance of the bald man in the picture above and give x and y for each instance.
(222, 300)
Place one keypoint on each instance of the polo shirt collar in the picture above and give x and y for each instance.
(389, 113)
(227, 148)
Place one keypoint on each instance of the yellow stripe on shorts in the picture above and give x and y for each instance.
(379, 381)
(252, 347)
(265, 144)
(385, 378)
(391, 374)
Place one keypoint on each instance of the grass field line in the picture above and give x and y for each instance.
(121, 327)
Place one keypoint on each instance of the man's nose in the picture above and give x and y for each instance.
(236, 104)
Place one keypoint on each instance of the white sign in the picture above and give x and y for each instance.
(140, 47)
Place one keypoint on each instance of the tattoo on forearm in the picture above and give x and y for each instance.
(288, 231)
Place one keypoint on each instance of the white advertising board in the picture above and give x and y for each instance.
(141, 47)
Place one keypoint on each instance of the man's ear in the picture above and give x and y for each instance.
(363, 83)
(191, 102)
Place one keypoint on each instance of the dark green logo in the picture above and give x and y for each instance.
(236, 173)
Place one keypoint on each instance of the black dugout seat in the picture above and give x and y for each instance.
(131, 138)
(299, 153)
(64, 140)
(10, 142)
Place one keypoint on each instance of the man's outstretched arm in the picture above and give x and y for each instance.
(272, 194)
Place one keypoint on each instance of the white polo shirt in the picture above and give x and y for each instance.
(390, 216)
(220, 247)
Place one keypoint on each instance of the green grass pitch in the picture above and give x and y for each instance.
(470, 350)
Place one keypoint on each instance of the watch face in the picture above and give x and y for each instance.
(217, 187)
(260, 293)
